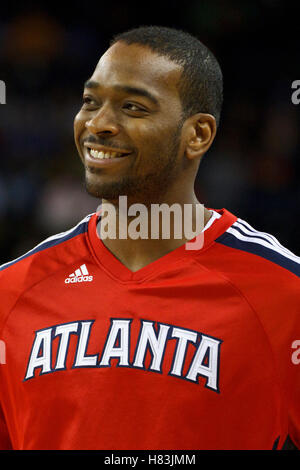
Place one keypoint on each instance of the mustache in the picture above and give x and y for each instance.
(105, 143)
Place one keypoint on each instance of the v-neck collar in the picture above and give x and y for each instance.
(120, 272)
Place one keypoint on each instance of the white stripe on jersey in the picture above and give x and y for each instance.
(214, 217)
(259, 241)
(53, 237)
(267, 236)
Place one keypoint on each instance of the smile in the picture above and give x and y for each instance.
(104, 155)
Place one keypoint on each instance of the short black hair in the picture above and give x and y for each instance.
(201, 82)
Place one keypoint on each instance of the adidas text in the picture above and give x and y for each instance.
(78, 279)
(80, 275)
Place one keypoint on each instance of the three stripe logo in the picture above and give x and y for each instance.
(80, 275)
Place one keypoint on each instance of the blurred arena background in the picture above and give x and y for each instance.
(48, 51)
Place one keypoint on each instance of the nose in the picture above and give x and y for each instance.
(103, 122)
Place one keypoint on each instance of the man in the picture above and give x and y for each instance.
(119, 342)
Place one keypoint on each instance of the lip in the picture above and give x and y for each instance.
(90, 160)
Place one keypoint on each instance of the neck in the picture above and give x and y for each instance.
(141, 233)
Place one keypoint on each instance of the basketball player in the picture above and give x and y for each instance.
(141, 343)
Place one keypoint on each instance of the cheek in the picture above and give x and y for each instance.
(150, 136)
(158, 140)
(79, 125)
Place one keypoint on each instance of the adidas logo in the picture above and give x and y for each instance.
(80, 275)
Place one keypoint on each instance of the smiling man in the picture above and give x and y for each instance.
(122, 343)
(137, 121)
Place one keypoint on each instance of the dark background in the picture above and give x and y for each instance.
(46, 53)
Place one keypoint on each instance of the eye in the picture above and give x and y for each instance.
(87, 101)
(134, 107)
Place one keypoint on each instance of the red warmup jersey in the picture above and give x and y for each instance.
(200, 349)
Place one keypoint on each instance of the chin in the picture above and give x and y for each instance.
(108, 191)
(150, 188)
(101, 193)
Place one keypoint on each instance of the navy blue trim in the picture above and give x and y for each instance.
(82, 228)
(232, 241)
(275, 445)
(289, 445)
(253, 234)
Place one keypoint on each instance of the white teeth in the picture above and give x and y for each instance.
(102, 155)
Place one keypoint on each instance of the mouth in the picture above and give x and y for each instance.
(104, 154)
(102, 159)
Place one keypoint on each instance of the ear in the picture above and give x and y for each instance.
(201, 130)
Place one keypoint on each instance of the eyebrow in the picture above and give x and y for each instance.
(125, 88)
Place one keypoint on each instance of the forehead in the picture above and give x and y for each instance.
(137, 65)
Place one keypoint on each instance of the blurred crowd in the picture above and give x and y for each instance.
(252, 168)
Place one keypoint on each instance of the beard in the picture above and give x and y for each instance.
(141, 188)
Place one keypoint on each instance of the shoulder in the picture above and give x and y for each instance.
(261, 270)
(18, 275)
(260, 249)
(46, 244)
(265, 274)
